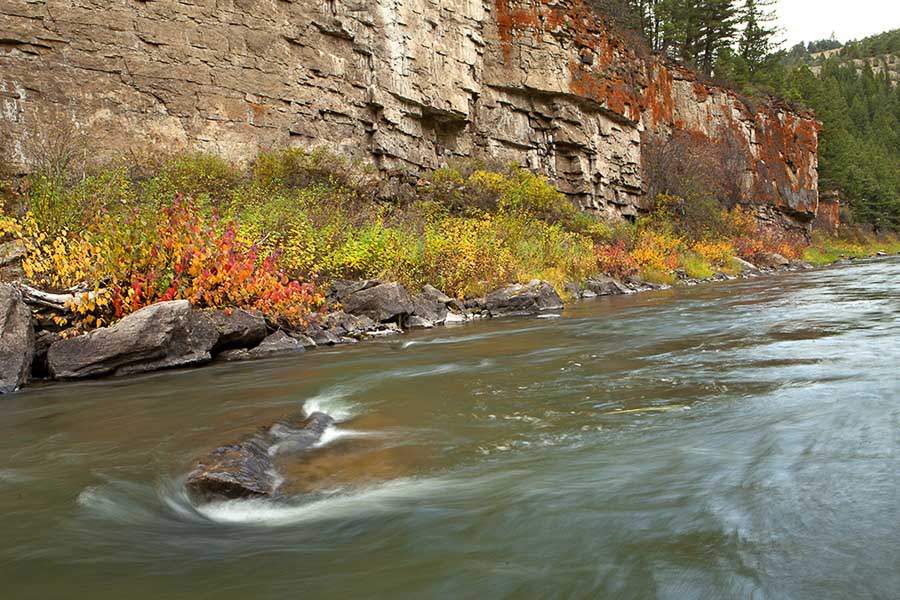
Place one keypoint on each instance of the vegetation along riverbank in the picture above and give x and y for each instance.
(162, 262)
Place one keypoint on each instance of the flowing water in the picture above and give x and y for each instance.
(728, 441)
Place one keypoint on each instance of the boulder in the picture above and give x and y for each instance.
(321, 336)
(744, 266)
(430, 307)
(381, 303)
(159, 336)
(16, 340)
(773, 260)
(246, 469)
(520, 300)
(12, 252)
(605, 286)
(277, 344)
(11, 255)
(343, 325)
(343, 288)
(234, 328)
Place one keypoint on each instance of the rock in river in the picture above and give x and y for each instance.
(246, 469)
(16, 339)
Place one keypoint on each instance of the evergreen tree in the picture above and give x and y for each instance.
(756, 41)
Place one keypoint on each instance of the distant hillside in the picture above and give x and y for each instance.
(881, 53)
(854, 90)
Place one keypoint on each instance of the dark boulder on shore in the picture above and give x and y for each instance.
(277, 344)
(246, 469)
(773, 260)
(160, 336)
(604, 286)
(532, 298)
(235, 328)
(381, 303)
(16, 340)
(431, 307)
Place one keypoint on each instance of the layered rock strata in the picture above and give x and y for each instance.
(406, 85)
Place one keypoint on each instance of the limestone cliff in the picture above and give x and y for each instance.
(404, 84)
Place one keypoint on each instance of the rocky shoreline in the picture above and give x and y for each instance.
(175, 334)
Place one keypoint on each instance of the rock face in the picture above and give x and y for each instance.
(16, 340)
(159, 336)
(246, 468)
(521, 300)
(405, 85)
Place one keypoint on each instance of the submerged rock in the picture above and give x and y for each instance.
(522, 300)
(159, 336)
(16, 339)
(246, 469)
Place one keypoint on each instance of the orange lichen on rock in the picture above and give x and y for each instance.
(658, 96)
(786, 164)
(701, 92)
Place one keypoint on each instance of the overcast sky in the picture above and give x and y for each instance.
(807, 20)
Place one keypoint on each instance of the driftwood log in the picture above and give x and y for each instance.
(58, 302)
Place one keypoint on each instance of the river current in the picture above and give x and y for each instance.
(739, 440)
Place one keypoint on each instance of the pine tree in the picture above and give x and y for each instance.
(757, 34)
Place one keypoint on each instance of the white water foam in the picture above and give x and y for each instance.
(477, 337)
(333, 433)
(400, 495)
(395, 496)
(13, 476)
(333, 403)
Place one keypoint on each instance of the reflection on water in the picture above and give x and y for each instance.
(738, 440)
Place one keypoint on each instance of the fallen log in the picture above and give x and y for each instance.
(58, 302)
(246, 469)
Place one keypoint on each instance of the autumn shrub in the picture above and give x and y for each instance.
(696, 266)
(657, 251)
(512, 191)
(151, 256)
(206, 178)
(466, 256)
(718, 253)
(294, 169)
(546, 251)
(615, 259)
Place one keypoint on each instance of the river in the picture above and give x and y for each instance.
(725, 441)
